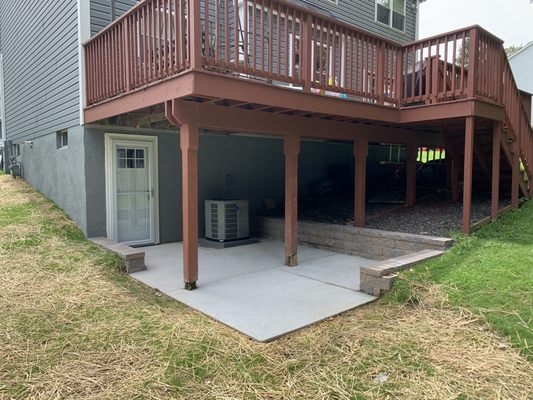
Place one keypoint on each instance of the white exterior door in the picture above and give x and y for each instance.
(131, 189)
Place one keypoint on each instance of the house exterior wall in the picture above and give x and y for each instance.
(243, 167)
(42, 92)
(103, 12)
(41, 69)
(169, 180)
(362, 13)
(522, 66)
(59, 173)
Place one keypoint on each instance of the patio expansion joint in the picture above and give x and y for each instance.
(318, 280)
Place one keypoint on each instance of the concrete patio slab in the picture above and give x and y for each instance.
(248, 289)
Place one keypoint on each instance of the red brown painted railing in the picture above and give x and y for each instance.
(146, 45)
(436, 69)
(276, 42)
(517, 118)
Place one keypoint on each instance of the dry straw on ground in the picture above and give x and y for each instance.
(72, 327)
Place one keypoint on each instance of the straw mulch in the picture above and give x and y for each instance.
(72, 326)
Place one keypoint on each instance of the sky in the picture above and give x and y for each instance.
(510, 20)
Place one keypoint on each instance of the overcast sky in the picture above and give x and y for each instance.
(511, 20)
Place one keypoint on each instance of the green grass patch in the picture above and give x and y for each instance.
(490, 273)
(16, 214)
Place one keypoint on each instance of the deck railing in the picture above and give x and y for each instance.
(286, 45)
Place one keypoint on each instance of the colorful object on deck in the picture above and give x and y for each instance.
(431, 155)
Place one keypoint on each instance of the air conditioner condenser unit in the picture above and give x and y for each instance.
(226, 220)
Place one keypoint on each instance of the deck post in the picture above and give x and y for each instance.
(306, 52)
(496, 154)
(195, 35)
(515, 182)
(449, 171)
(189, 143)
(360, 151)
(291, 149)
(467, 186)
(178, 116)
(410, 161)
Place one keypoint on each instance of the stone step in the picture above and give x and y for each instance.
(380, 277)
(133, 258)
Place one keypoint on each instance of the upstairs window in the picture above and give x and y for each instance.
(391, 13)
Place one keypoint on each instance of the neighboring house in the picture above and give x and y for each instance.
(522, 65)
(111, 131)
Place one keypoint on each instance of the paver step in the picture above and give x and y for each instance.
(380, 277)
(133, 258)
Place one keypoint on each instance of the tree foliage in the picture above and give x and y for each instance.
(514, 48)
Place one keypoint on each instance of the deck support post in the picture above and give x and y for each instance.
(291, 149)
(515, 182)
(456, 174)
(410, 160)
(496, 155)
(360, 151)
(467, 185)
(189, 145)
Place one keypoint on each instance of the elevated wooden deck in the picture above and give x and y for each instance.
(268, 66)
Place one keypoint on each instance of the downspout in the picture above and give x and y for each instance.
(417, 34)
(3, 114)
(84, 33)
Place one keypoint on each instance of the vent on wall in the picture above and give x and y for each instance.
(226, 220)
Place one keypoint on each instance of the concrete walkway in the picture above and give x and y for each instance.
(249, 289)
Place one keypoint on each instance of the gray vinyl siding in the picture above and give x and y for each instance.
(362, 13)
(103, 12)
(40, 67)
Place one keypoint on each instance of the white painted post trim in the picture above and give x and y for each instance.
(84, 33)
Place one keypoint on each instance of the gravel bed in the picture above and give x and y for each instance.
(433, 215)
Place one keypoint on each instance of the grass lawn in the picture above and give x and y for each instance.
(490, 273)
(72, 325)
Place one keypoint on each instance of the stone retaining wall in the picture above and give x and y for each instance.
(345, 239)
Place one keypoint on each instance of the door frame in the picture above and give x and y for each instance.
(111, 212)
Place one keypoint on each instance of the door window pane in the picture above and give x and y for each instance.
(133, 194)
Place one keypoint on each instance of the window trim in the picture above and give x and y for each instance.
(389, 25)
(60, 139)
(15, 150)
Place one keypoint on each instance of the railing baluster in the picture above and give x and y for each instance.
(236, 39)
(254, 36)
(245, 34)
(270, 38)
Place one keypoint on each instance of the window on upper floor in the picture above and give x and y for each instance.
(391, 13)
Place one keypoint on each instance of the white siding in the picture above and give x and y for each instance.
(522, 65)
